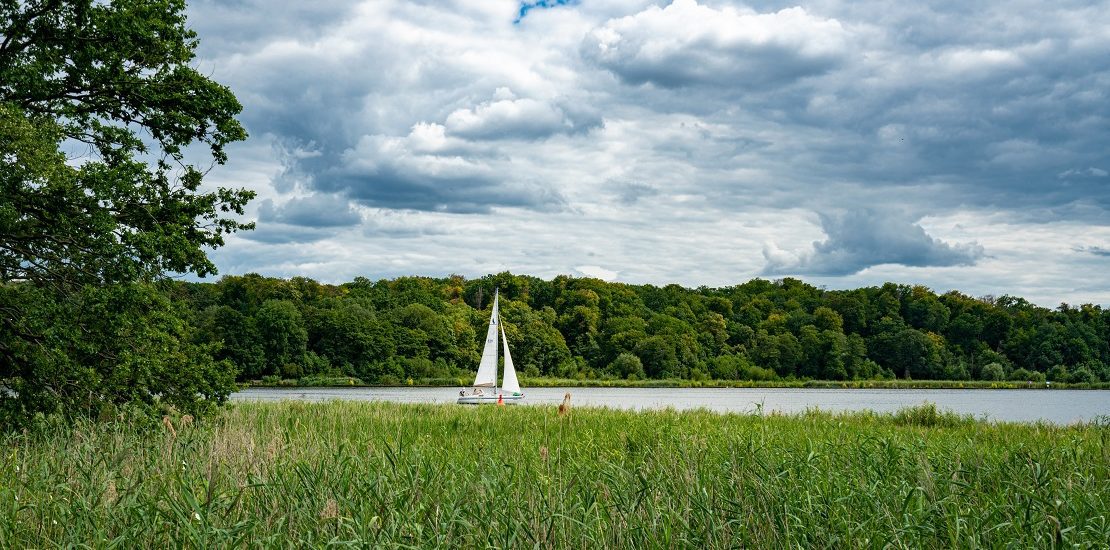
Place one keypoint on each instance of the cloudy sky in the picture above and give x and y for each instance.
(956, 144)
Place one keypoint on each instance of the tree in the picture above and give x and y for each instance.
(241, 343)
(627, 365)
(834, 352)
(541, 347)
(852, 308)
(352, 337)
(812, 353)
(621, 334)
(102, 349)
(925, 312)
(908, 351)
(464, 347)
(1058, 373)
(115, 78)
(284, 338)
(1023, 375)
(827, 319)
(858, 366)
(425, 331)
(965, 330)
(992, 371)
(713, 332)
(579, 322)
(1083, 374)
(657, 354)
(790, 354)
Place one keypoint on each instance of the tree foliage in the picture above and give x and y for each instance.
(98, 349)
(420, 327)
(100, 112)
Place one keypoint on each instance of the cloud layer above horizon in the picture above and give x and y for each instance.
(960, 146)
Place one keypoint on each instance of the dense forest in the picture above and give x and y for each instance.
(422, 328)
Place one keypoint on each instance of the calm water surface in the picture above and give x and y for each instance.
(1060, 406)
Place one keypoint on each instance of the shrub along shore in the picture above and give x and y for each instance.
(432, 475)
(550, 382)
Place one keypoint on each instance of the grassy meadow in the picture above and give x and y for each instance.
(400, 475)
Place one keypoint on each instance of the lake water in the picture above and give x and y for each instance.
(1059, 406)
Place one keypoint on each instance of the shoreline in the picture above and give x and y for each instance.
(351, 382)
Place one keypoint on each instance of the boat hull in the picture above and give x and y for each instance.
(489, 399)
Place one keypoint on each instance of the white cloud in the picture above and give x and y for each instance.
(687, 43)
(598, 272)
(507, 119)
(686, 142)
(1090, 172)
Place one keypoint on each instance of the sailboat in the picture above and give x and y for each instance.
(485, 390)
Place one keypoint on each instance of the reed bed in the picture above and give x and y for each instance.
(397, 475)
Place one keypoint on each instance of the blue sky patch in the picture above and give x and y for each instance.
(526, 7)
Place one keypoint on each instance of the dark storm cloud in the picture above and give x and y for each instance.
(429, 171)
(320, 210)
(860, 239)
(1005, 107)
(1094, 250)
(229, 26)
(280, 233)
(402, 188)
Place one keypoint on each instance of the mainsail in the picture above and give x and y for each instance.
(509, 384)
(487, 369)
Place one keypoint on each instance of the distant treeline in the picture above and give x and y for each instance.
(389, 331)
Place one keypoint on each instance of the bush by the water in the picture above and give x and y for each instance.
(928, 415)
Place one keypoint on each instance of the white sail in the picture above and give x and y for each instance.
(487, 369)
(509, 383)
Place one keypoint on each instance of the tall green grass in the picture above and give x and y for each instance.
(429, 475)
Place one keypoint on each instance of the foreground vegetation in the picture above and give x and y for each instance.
(429, 475)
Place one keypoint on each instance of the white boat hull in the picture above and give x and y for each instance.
(489, 399)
